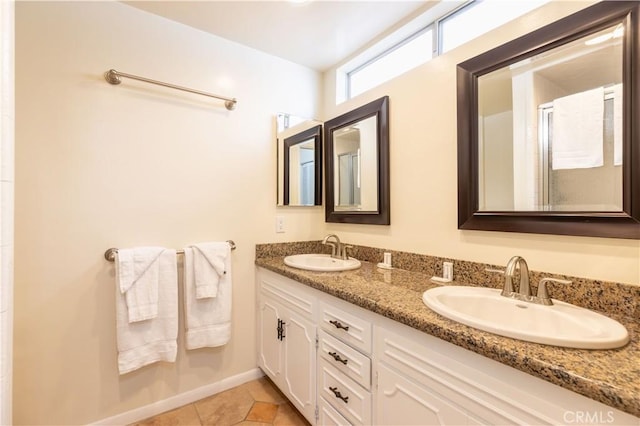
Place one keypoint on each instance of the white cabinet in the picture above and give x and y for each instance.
(345, 359)
(269, 343)
(299, 359)
(287, 342)
(415, 369)
(342, 365)
(400, 401)
(329, 416)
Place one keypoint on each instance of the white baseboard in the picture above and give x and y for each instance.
(179, 400)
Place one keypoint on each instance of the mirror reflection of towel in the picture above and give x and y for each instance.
(617, 124)
(578, 130)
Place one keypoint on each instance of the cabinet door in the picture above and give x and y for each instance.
(401, 402)
(269, 347)
(299, 359)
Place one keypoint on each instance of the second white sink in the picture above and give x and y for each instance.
(321, 263)
(561, 324)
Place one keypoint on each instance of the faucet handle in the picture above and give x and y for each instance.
(345, 255)
(507, 289)
(333, 247)
(543, 294)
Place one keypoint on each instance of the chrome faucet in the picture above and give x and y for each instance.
(509, 274)
(524, 289)
(336, 245)
(338, 250)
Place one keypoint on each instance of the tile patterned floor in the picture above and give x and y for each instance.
(256, 403)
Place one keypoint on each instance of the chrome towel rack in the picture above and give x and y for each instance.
(113, 77)
(110, 254)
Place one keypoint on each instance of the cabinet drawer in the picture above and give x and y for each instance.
(345, 359)
(345, 395)
(346, 327)
(328, 416)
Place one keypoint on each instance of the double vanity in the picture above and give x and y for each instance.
(351, 341)
(360, 346)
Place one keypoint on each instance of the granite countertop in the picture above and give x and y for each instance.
(609, 376)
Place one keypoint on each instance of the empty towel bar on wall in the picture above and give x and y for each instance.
(112, 76)
(110, 254)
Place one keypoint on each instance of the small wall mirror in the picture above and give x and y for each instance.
(299, 142)
(357, 161)
(546, 138)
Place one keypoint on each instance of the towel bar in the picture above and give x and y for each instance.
(113, 77)
(110, 254)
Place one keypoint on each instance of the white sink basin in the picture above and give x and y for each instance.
(321, 263)
(561, 324)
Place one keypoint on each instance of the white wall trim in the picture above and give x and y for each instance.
(179, 400)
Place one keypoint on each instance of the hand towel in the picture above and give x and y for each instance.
(209, 266)
(138, 281)
(578, 130)
(147, 341)
(617, 125)
(207, 320)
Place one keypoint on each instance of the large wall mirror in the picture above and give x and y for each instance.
(548, 138)
(299, 142)
(357, 161)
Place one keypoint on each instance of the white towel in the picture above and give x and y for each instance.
(209, 266)
(147, 341)
(208, 320)
(138, 280)
(578, 130)
(617, 125)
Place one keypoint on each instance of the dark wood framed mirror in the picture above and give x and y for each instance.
(303, 168)
(548, 130)
(357, 165)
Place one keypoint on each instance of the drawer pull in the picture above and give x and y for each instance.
(339, 325)
(337, 393)
(337, 358)
(280, 329)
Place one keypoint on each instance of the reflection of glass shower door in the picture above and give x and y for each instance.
(307, 183)
(588, 189)
(348, 179)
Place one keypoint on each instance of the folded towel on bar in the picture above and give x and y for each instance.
(578, 141)
(209, 266)
(207, 320)
(150, 335)
(138, 272)
(617, 124)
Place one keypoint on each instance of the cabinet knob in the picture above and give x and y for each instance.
(339, 325)
(338, 395)
(338, 358)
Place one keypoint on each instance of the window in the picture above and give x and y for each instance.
(479, 17)
(407, 55)
(440, 29)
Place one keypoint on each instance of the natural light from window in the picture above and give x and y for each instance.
(480, 17)
(443, 33)
(408, 55)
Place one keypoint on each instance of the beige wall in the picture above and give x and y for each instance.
(101, 166)
(423, 174)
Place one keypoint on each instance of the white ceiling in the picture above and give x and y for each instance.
(317, 34)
